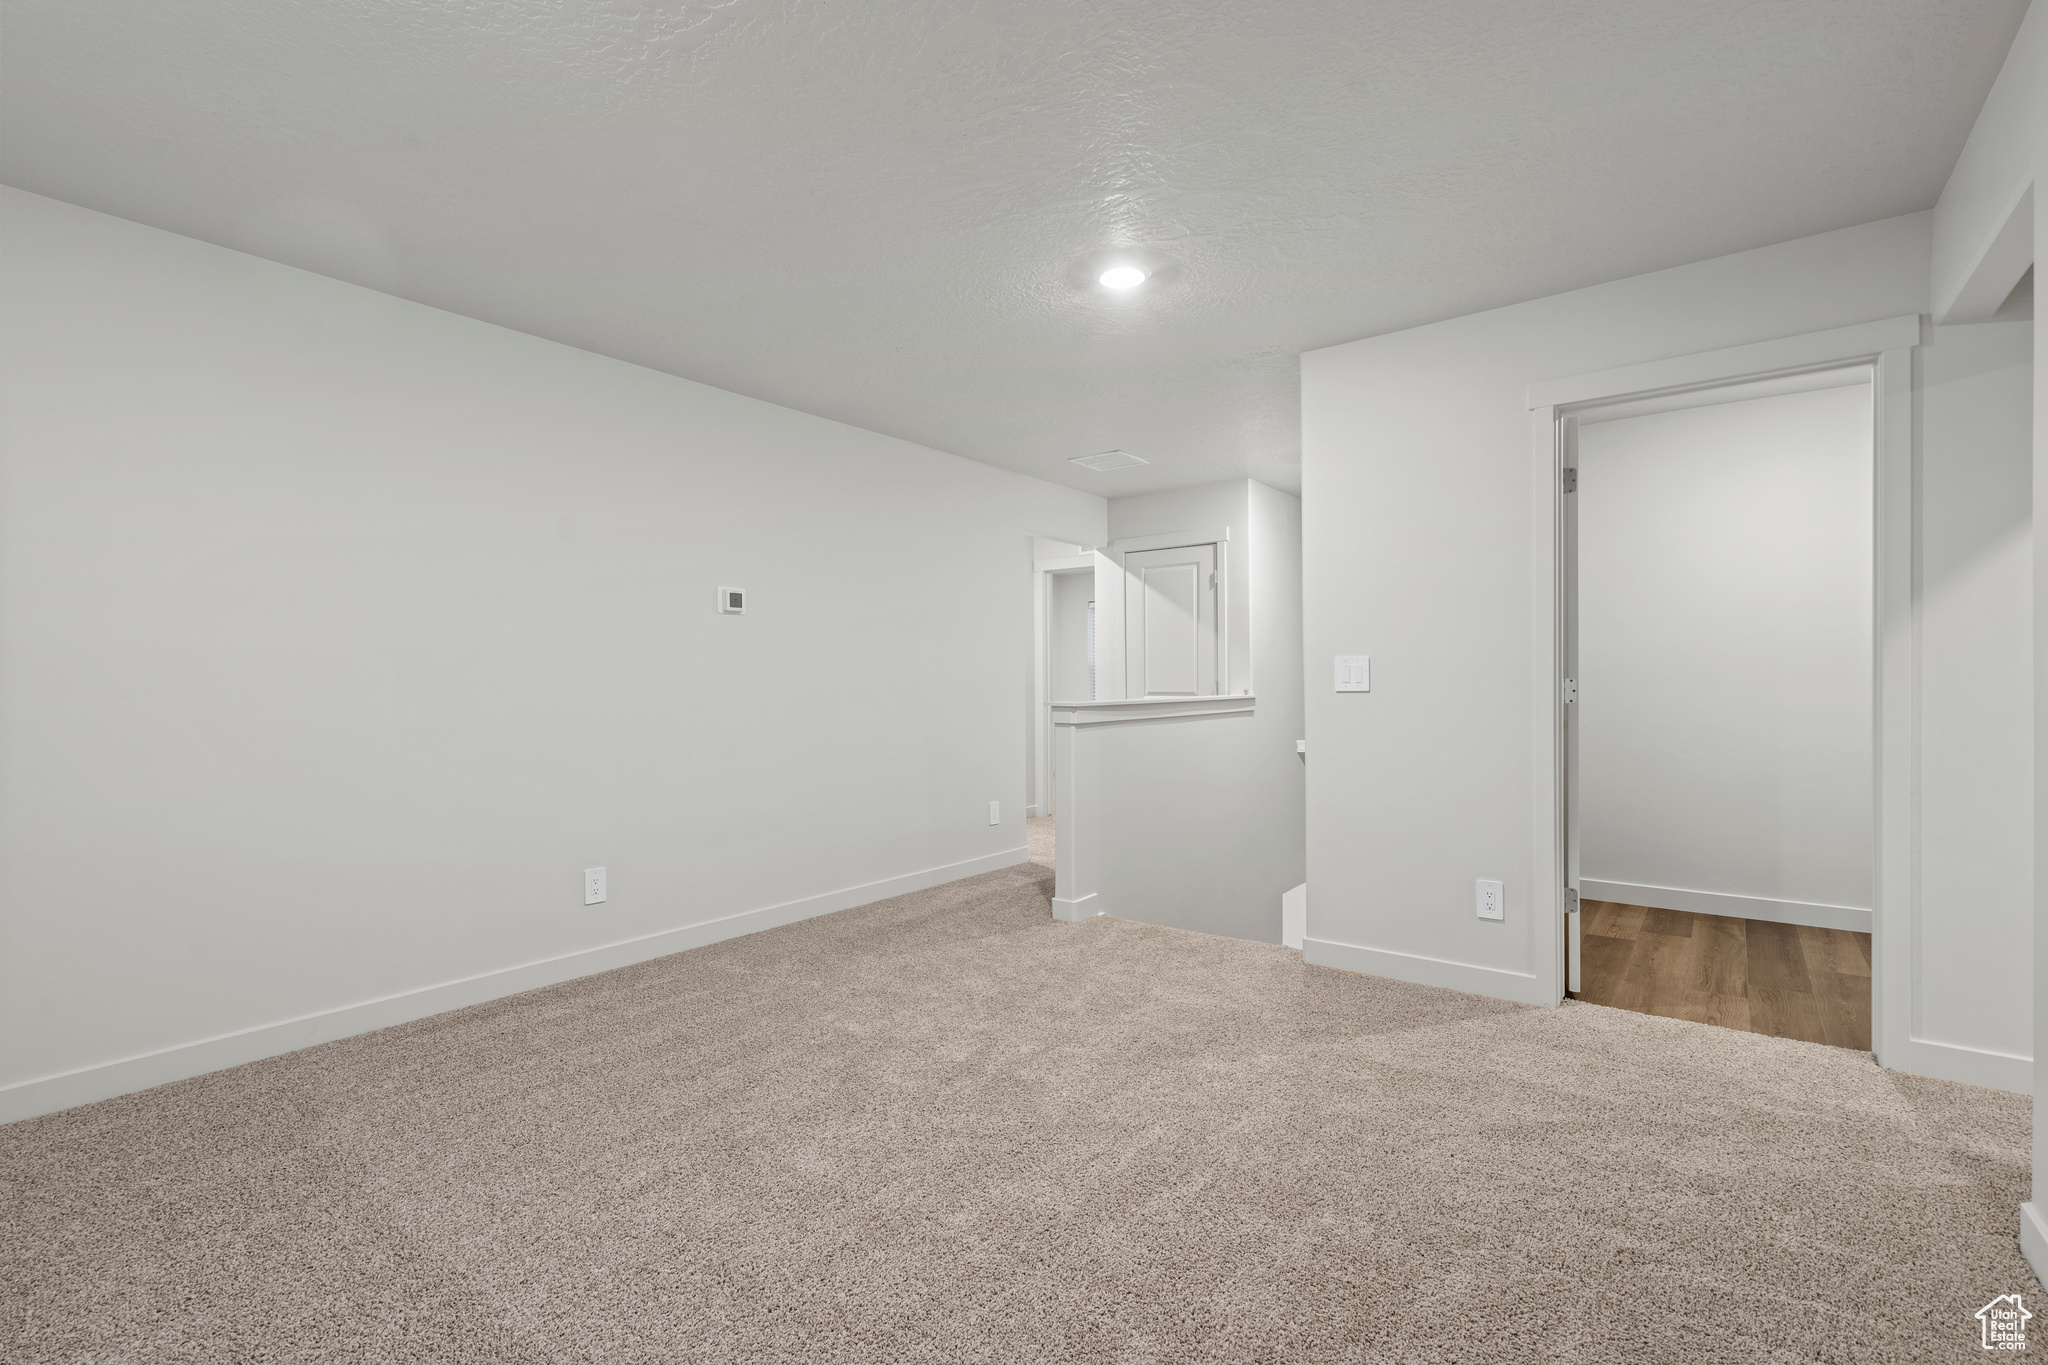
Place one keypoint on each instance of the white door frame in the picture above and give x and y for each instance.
(1887, 346)
(1043, 572)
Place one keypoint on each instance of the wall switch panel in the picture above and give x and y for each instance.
(1493, 902)
(1354, 673)
(593, 885)
(732, 601)
(995, 812)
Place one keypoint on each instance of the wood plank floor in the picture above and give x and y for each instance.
(1788, 980)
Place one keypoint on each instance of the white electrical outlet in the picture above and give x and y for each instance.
(995, 812)
(1493, 902)
(1354, 673)
(593, 886)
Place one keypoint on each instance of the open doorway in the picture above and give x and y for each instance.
(1063, 671)
(1719, 558)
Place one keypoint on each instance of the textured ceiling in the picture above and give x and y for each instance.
(888, 213)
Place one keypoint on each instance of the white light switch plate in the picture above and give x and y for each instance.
(1354, 673)
(995, 812)
(1493, 902)
(593, 885)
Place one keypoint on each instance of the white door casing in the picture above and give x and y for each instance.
(1568, 521)
(1886, 345)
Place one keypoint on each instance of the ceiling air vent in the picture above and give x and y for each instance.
(1108, 459)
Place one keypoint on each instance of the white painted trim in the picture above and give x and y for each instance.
(1294, 916)
(1774, 386)
(1037, 725)
(1998, 267)
(1963, 1064)
(1067, 565)
(1895, 737)
(1887, 347)
(1426, 971)
(1130, 711)
(1074, 911)
(2034, 1241)
(1550, 845)
(1724, 903)
(1171, 540)
(48, 1094)
(1712, 369)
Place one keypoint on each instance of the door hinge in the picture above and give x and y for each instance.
(1571, 901)
(1212, 580)
(1571, 690)
(1571, 479)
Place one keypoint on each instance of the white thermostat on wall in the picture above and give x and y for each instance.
(732, 601)
(1354, 673)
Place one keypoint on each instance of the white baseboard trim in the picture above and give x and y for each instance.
(1294, 916)
(1968, 1065)
(48, 1094)
(1031, 812)
(1074, 911)
(1721, 903)
(2034, 1241)
(1424, 971)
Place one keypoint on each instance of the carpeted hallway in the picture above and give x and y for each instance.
(945, 1128)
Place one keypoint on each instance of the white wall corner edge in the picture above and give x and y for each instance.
(106, 1080)
(1997, 266)
(1852, 918)
(1493, 982)
(2034, 1241)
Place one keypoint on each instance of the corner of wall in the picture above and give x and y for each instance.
(1982, 241)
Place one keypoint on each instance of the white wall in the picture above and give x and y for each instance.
(1724, 670)
(339, 634)
(1988, 211)
(1201, 820)
(1425, 546)
(1043, 549)
(1976, 687)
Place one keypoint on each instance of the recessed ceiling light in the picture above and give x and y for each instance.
(1122, 277)
(1108, 459)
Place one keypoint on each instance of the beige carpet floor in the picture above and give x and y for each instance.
(945, 1128)
(1039, 839)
